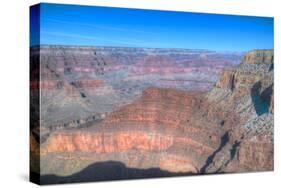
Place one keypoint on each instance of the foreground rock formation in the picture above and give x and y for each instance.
(243, 101)
(227, 129)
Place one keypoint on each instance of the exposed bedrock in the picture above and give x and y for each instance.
(169, 108)
(245, 89)
(108, 142)
(256, 154)
(143, 142)
(228, 129)
(243, 98)
(259, 56)
(152, 149)
(226, 80)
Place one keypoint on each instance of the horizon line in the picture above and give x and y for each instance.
(179, 48)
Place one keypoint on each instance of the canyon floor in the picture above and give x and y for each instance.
(126, 113)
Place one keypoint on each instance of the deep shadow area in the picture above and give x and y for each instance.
(261, 100)
(234, 149)
(233, 152)
(210, 159)
(105, 171)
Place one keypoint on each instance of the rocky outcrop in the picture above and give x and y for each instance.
(256, 154)
(250, 84)
(108, 142)
(259, 56)
(226, 80)
(245, 93)
(165, 107)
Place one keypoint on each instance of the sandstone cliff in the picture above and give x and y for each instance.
(246, 93)
(259, 56)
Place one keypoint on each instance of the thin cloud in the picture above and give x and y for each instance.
(101, 27)
(71, 35)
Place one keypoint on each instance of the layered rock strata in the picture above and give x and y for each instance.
(228, 129)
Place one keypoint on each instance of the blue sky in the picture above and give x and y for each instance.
(101, 26)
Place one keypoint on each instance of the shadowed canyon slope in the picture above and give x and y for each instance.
(110, 170)
(176, 130)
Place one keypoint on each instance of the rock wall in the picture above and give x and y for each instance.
(256, 154)
(259, 56)
(246, 93)
(165, 107)
(108, 142)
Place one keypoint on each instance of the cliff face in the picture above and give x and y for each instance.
(247, 93)
(247, 88)
(228, 129)
(259, 56)
(118, 141)
(164, 107)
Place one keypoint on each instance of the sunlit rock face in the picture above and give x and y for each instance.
(226, 129)
(259, 56)
(246, 93)
(108, 142)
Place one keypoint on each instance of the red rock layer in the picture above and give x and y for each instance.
(88, 83)
(165, 107)
(108, 142)
(46, 85)
(259, 56)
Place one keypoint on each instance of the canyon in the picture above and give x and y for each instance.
(79, 84)
(168, 111)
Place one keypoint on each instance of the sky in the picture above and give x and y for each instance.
(103, 26)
